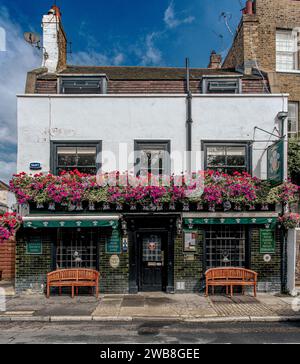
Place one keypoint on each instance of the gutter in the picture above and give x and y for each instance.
(189, 119)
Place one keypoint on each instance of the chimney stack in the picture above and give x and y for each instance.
(249, 9)
(215, 60)
(54, 41)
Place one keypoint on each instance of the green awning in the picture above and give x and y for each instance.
(36, 222)
(231, 221)
(231, 218)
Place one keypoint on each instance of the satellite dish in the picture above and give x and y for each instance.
(32, 38)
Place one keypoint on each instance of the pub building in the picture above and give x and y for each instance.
(71, 118)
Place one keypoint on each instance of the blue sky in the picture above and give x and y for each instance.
(115, 32)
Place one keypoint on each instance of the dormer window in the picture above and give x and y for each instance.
(83, 85)
(220, 85)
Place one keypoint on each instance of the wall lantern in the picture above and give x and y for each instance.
(179, 226)
(124, 227)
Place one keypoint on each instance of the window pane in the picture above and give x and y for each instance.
(293, 120)
(87, 156)
(236, 156)
(153, 161)
(216, 156)
(66, 156)
(286, 50)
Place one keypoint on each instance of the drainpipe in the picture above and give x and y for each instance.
(282, 116)
(189, 120)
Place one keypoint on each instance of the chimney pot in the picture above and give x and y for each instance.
(249, 8)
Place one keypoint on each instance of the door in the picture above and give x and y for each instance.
(152, 262)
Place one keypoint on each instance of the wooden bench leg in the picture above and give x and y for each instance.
(48, 291)
(227, 290)
(255, 291)
(243, 290)
(97, 291)
(60, 291)
(77, 291)
(73, 292)
(231, 291)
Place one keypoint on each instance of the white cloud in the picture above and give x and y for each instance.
(15, 62)
(172, 19)
(92, 57)
(7, 169)
(152, 55)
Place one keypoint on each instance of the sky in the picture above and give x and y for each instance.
(114, 32)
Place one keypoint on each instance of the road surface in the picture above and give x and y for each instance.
(148, 332)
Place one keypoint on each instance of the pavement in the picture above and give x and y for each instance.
(150, 306)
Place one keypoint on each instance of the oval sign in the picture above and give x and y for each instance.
(267, 258)
(114, 261)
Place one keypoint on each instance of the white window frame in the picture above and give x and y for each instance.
(293, 118)
(291, 54)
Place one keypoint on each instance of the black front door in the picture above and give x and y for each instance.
(152, 262)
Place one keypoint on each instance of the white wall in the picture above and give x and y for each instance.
(123, 119)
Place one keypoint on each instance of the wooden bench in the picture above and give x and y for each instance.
(229, 278)
(73, 278)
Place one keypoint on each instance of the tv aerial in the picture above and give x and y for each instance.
(34, 40)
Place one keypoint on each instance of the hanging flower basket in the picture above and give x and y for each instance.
(290, 220)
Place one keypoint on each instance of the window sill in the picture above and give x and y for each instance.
(290, 71)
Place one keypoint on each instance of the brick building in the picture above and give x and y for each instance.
(70, 116)
(267, 40)
(267, 43)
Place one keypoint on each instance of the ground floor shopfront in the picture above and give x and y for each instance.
(150, 252)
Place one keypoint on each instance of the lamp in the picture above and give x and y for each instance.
(124, 227)
(179, 226)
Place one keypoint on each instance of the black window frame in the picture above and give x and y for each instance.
(101, 78)
(74, 144)
(246, 144)
(207, 80)
(140, 145)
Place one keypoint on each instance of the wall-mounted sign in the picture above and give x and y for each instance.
(114, 261)
(267, 241)
(34, 247)
(113, 244)
(35, 166)
(275, 157)
(190, 241)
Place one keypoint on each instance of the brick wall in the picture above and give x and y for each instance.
(189, 272)
(7, 259)
(249, 85)
(256, 40)
(112, 280)
(192, 272)
(269, 274)
(31, 270)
